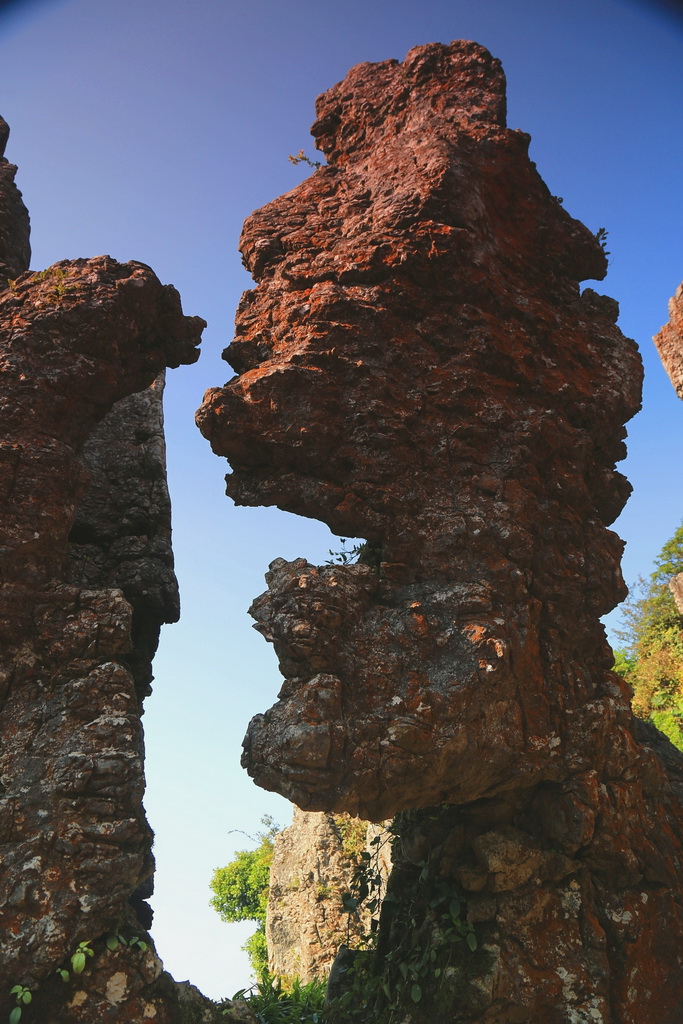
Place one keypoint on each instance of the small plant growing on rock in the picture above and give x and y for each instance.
(23, 997)
(115, 940)
(79, 957)
(301, 158)
(601, 237)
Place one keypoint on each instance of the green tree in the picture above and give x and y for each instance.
(240, 892)
(652, 660)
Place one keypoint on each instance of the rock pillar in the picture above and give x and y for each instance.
(419, 367)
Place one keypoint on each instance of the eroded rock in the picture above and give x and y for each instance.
(314, 863)
(669, 341)
(418, 366)
(669, 344)
(87, 580)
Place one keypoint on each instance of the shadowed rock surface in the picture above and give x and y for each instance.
(86, 581)
(417, 366)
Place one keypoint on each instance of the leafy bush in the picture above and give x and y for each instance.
(652, 661)
(240, 892)
(274, 1002)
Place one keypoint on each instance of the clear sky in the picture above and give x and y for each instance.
(148, 129)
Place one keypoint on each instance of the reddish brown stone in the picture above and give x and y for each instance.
(417, 366)
(15, 251)
(86, 581)
(669, 342)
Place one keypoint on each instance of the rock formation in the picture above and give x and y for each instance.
(314, 863)
(87, 580)
(418, 367)
(669, 344)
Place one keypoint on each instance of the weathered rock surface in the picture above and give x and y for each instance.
(314, 863)
(417, 366)
(669, 341)
(15, 250)
(669, 344)
(86, 582)
(676, 585)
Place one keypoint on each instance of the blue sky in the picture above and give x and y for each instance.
(148, 129)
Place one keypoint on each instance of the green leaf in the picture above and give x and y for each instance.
(64, 975)
(112, 942)
(78, 962)
(15, 1015)
(142, 946)
(26, 997)
(416, 993)
(403, 968)
(454, 909)
(472, 941)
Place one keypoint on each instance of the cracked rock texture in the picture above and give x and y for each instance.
(87, 580)
(418, 366)
(669, 344)
(314, 862)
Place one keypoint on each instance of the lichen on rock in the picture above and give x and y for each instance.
(418, 366)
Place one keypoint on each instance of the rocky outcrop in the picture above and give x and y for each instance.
(315, 862)
(669, 344)
(676, 585)
(418, 367)
(15, 250)
(87, 580)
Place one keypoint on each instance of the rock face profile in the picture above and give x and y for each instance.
(418, 367)
(87, 580)
(669, 344)
(314, 863)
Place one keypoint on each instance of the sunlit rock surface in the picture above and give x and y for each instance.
(669, 344)
(87, 579)
(314, 863)
(418, 366)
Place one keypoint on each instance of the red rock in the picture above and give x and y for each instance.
(669, 342)
(417, 366)
(86, 581)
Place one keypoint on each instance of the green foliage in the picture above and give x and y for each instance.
(241, 891)
(354, 835)
(601, 237)
(652, 660)
(57, 277)
(115, 940)
(79, 957)
(364, 553)
(274, 1002)
(301, 158)
(23, 997)
(433, 947)
(256, 949)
